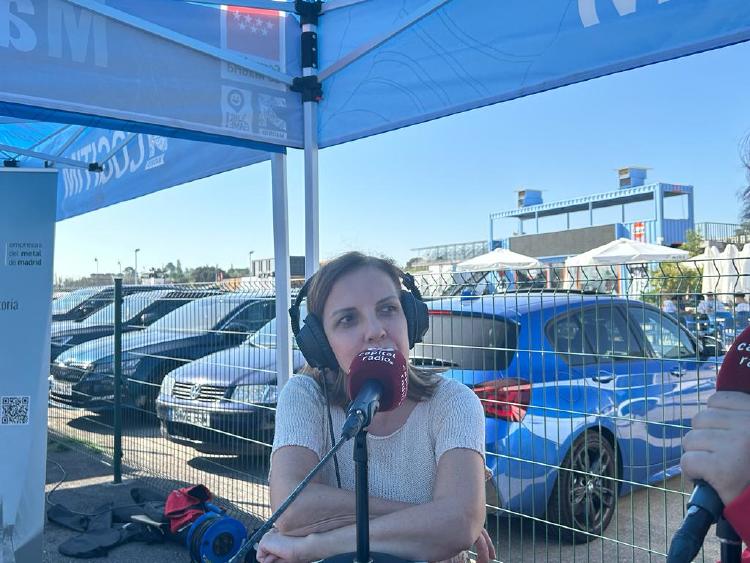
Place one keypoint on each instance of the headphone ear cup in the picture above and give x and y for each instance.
(417, 318)
(314, 345)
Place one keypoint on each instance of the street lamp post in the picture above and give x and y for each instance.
(250, 261)
(135, 272)
(96, 260)
(119, 267)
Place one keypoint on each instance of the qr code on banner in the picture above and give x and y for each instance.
(14, 410)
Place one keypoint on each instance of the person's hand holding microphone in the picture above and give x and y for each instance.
(717, 449)
(717, 459)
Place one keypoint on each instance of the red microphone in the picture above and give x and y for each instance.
(705, 506)
(378, 381)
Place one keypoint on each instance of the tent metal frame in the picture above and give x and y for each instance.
(365, 48)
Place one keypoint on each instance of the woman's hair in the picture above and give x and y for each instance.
(422, 384)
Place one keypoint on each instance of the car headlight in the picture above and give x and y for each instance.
(265, 394)
(84, 367)
(167, 385)
(129, 366)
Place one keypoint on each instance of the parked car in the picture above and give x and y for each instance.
(81, 303)
(225, 403)
(601, 387)
(139, 310)
(83, 375)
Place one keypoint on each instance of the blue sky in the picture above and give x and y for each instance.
(436, 183)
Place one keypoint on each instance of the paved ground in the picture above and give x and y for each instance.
(641, 530)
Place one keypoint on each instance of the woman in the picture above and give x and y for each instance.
(426, 457)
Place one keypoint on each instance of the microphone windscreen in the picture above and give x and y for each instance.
(387, 366)
(734, 374)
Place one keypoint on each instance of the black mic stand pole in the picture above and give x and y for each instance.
(731, 544)
(362, 498)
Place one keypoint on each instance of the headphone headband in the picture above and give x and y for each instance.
(311, 338)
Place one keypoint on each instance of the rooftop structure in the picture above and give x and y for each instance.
(655, 229)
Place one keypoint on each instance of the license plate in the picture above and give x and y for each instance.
(62, 387)
(196, 418)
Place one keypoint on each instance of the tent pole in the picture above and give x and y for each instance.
(310, 97)
(281, 258)
(312, 213)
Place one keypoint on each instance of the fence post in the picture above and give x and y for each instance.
(117, 363)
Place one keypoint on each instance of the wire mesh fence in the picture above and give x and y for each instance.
(589, 378)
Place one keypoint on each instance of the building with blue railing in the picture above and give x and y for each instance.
(555, 246)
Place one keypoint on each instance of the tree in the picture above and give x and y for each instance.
(694, 243)
(674, 278)
(174, 272)
(206, 274)
(128, 275)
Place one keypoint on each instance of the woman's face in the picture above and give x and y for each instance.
(364, 311)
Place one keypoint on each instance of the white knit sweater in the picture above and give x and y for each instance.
(402, 465)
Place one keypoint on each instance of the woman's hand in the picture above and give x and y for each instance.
(717, 449)
(484, 548)
(275, 547)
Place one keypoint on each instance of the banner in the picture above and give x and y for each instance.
(27, 226)
(66, 64)
(141, 165)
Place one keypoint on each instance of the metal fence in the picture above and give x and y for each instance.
(588, 380)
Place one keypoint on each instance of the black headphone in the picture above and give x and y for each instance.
(312, 340)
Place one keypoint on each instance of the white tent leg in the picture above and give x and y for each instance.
(312, 213)
(281, 259)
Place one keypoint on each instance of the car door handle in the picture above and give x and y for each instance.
(603, 377)
(677, 372)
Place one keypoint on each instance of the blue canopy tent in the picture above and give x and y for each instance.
(130, 74)
(99, 167)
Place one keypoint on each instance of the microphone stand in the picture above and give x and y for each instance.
(731, 544)
(362, 494)
(260, 532)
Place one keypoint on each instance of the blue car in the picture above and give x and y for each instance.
(585, 396)
(83, 375)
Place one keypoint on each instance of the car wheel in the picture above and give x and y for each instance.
(583, 500)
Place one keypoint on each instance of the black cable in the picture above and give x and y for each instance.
(330, 427)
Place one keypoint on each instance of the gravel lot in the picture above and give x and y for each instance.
(641, 530)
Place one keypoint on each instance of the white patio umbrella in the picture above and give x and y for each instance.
(625, 251)
(500, 259)
(743, 265)
(729, 273)
(710, 266)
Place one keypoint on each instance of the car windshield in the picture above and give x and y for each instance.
(202, 314)
(70, 301)
(266, 336)
(132, 305)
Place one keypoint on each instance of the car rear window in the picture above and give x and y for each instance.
(467, 342)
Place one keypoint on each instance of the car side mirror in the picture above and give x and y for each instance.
(235, 330)
(148, 318)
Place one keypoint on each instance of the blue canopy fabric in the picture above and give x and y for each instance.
(67, 64)
(184, 76)
(148, 163)
(471, 53)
